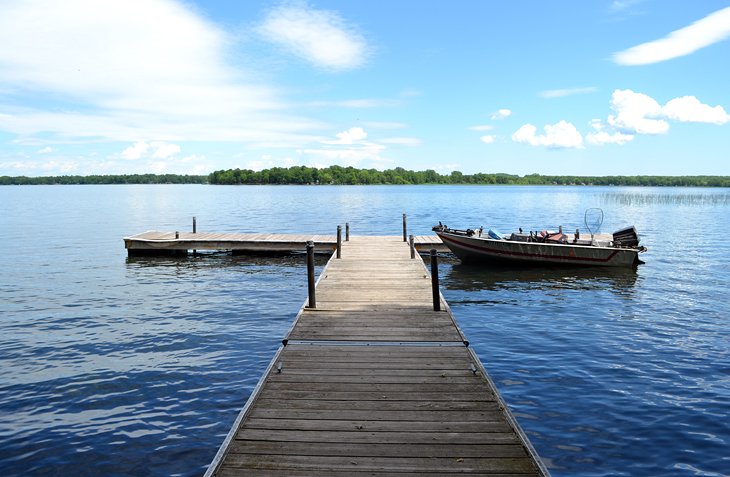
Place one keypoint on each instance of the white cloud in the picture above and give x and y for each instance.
(704, 32)
(350, 136)
(602, 137)
(91, 163)
(164, 150)
(632, 114)
(45, 150)
(606, 135)
(690, 109)
(130, 75)
(559, 93)
(636, 113)
(135, 151)
(319, 36)
(501, 114)
(350, 156)
(153, 150)
(562, 135)
(51, 167)
(350, 148)
(481, 127)
(488, 139)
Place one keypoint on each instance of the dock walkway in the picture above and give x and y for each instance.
(374, 382)
(180, 243)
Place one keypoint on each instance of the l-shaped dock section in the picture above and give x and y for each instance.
(373, 381)
(181, 243)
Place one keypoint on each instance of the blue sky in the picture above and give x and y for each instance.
(567, 87)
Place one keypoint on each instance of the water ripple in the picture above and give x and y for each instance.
(137, 367)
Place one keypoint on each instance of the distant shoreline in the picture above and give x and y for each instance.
(337, 175)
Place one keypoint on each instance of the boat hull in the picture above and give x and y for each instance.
(479, 249)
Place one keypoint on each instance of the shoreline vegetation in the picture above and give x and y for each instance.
(338, 175)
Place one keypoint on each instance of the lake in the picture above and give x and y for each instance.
(138, 367)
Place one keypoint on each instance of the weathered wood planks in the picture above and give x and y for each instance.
(180, 242)
(164, 243)
(374, 382)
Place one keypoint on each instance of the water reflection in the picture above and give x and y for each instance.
(467, 277)
(225, 260)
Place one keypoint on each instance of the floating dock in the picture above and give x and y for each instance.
(181, 243)
(373, 381)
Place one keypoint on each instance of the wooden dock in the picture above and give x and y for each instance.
(374, 382)
(180, 243)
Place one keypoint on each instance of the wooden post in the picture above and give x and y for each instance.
(339, 241)
(404, 228)
(195, 230)
(310, 275)
(413, 247)
(347, 231)
(435, 280)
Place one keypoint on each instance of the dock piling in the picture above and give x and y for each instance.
(404, 228)
(310, 275)
(195, 231)
(347, 231)
(339, 241)
(435, 281)
(413, 246)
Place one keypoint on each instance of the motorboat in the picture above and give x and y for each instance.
(619, 249)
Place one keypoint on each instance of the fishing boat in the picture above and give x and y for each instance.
(619, 249)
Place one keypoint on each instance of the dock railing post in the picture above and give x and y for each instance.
(404, 228)
(339, 241)
(310, 275)
(347, 231)
(435, 280)
(413, 246)
(195, 230)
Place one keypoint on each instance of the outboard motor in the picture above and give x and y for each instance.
(626, 238)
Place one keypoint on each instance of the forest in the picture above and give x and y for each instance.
(338, 175)
(105, 179)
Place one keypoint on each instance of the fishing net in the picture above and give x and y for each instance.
(594, 220)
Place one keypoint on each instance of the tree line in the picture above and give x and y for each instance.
(338, 175)
(105, 179)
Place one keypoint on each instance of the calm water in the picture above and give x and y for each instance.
(112, 366)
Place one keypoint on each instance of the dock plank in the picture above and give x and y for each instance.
(157, 242)
(374, 382)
